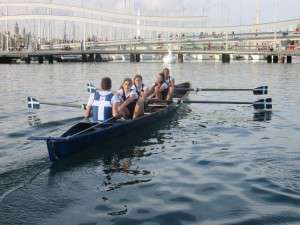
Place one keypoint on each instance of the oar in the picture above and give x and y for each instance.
(34, 138)
(91, 128)
(263, 90)
(263, 104)
(33, 103)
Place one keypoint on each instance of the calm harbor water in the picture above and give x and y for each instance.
(208, 164)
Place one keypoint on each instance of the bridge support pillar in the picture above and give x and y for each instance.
(91, 57)
(282, 59)
(225, 58)
(289, 59)
(50, 59)
(41, 59)
(98, 58)
(137, 57)
(84, 58)
(132, 57)
(275, 58)
(180, 58)
(269, 59)
(28, 60)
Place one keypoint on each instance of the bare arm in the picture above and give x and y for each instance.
(87, 112)
(172, 83)
(115, 111)
(127, 102)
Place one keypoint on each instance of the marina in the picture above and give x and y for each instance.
(219, 147)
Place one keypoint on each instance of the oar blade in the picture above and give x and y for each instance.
(263, 105)
(263, 90)
(33, 103)
(90, 88)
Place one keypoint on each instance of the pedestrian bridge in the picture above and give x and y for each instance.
(179, 35)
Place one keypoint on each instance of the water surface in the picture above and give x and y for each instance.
(206, 165)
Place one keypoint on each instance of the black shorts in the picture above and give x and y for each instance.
(164, 94)
(131, 108)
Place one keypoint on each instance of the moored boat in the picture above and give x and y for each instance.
(84, 134)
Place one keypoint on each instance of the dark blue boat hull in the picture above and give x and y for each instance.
(59, 149)
(64, 147)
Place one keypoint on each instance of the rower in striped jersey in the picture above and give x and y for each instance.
(100, 102)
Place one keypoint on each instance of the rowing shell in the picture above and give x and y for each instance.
(68, 143)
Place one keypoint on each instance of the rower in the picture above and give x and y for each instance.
(100, 103)
(139, 87)
(170, 81)
(160, 88)
(126, 102)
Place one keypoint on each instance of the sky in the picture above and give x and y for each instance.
(219, 12)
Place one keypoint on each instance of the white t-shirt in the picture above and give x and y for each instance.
(168, 81)
(118, 97)
(139, 89)
(92, 97)
(164, 85)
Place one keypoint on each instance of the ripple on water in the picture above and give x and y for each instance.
(278, 218)
(228, 176)
(172, 217)
(210, 189)
(213, 163)
(264, 190)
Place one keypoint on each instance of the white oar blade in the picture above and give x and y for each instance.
(261, 90)
(90, 88)
(33, 103)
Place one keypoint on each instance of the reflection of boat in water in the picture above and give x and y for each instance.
(150, 57)
(118, 58)
(69, 58)
(170, 58)
(255, 57)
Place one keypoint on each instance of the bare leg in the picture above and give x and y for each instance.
(150, 93)
(118, 112)
(115, 110)
(139, 109)
(124, 112)
(170, 94)
(157, 92)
